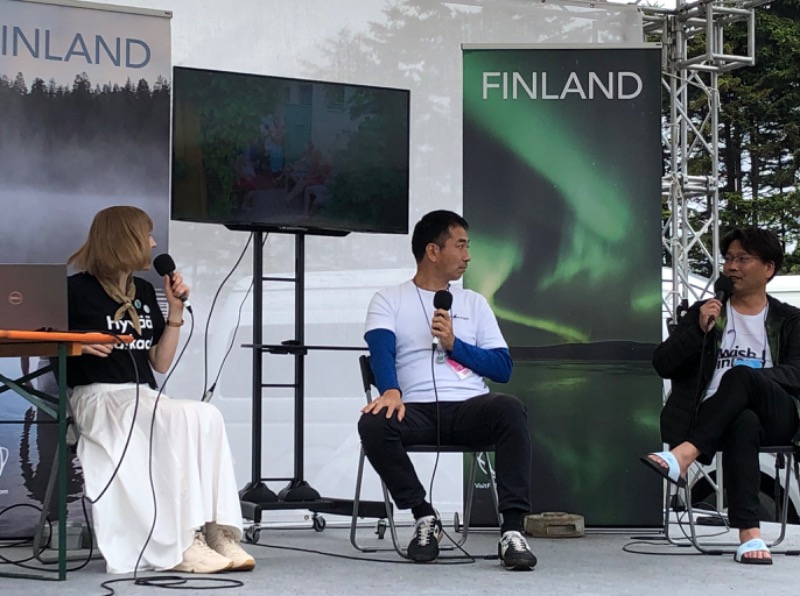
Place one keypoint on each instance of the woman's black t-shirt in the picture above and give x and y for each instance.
(91, 309)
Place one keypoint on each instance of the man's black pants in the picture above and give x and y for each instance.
(748, 410)
(492, 419)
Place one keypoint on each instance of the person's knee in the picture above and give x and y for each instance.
(510, 407)
(372, 428)
(737, 377)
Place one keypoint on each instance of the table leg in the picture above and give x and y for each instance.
(62, 461)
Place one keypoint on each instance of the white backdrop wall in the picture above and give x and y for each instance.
(413, 44)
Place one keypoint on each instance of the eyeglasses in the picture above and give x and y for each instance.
(739, 260)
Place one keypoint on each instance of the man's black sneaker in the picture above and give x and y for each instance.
(424, 546)
(514, 552)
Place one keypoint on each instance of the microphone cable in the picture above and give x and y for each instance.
(22, 562)
(150, 444)
(698, 399)
(470, 557)
(208, 392)
(438, 424)
(176, 582)
(639, 541)
(84, 498)
(453, 560)
(161, 581)
(130, 430)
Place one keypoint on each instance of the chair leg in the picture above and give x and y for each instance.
(392, 527)
(493, 487)
(707, 548)
(667, 510)
(782, 507)
(356, 501)
(796, 472)
(473, 472)
(687, 491)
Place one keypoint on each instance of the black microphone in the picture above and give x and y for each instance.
(164, 265)
(723, 289)
(444, 300)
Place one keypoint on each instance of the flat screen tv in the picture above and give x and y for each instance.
(263, 152)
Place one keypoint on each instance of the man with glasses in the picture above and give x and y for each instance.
(735, 372)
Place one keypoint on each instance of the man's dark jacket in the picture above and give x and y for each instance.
(678, 359)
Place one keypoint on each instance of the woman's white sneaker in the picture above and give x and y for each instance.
(224, 540)
(199, 558)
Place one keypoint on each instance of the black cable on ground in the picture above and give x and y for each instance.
(175, 582)
(453, 560)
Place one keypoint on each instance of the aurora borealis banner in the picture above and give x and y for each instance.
(562, 184)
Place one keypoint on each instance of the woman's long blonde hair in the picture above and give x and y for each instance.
(118, 242)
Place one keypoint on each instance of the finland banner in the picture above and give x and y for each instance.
(562, 189)
(84, 124)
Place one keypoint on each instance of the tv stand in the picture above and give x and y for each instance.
(285, 229)
(258, 493)
(298, 490)
(256, 496)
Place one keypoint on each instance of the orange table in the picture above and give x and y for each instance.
(61, 345)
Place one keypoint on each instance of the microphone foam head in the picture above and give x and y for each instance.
(723, 285)
(163, 264)
(443, 299)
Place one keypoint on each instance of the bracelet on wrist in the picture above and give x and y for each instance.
(174, 324)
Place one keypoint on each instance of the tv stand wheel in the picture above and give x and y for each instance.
(252, 534)
(380, 528)
(318, 522)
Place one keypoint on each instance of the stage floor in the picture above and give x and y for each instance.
(595, 564)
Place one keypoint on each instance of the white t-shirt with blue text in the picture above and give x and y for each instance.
(744, 343)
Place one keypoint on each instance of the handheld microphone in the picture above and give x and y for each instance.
(164, 265)
(723, 289)
(444, 300)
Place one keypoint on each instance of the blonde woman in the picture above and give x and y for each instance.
(196, 512)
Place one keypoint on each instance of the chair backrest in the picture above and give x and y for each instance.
(367, 376)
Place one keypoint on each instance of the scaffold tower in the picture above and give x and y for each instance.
(693, 40)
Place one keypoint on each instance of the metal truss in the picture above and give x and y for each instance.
(693, 41)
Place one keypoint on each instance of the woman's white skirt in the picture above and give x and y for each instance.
(192, 473)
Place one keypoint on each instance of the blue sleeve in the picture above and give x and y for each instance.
(382, 352)
(494, 364)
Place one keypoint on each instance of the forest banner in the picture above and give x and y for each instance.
(562, 185)
(84, 124)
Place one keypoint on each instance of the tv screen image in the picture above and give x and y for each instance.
(264, 152)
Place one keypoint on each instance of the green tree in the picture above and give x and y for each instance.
(760, 129)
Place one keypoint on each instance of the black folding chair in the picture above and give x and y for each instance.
(478, 453)
(786, 458)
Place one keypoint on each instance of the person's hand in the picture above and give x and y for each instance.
(174, 287)
(100, 350)
(442, 327)
(391, 400)
(709, 313)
